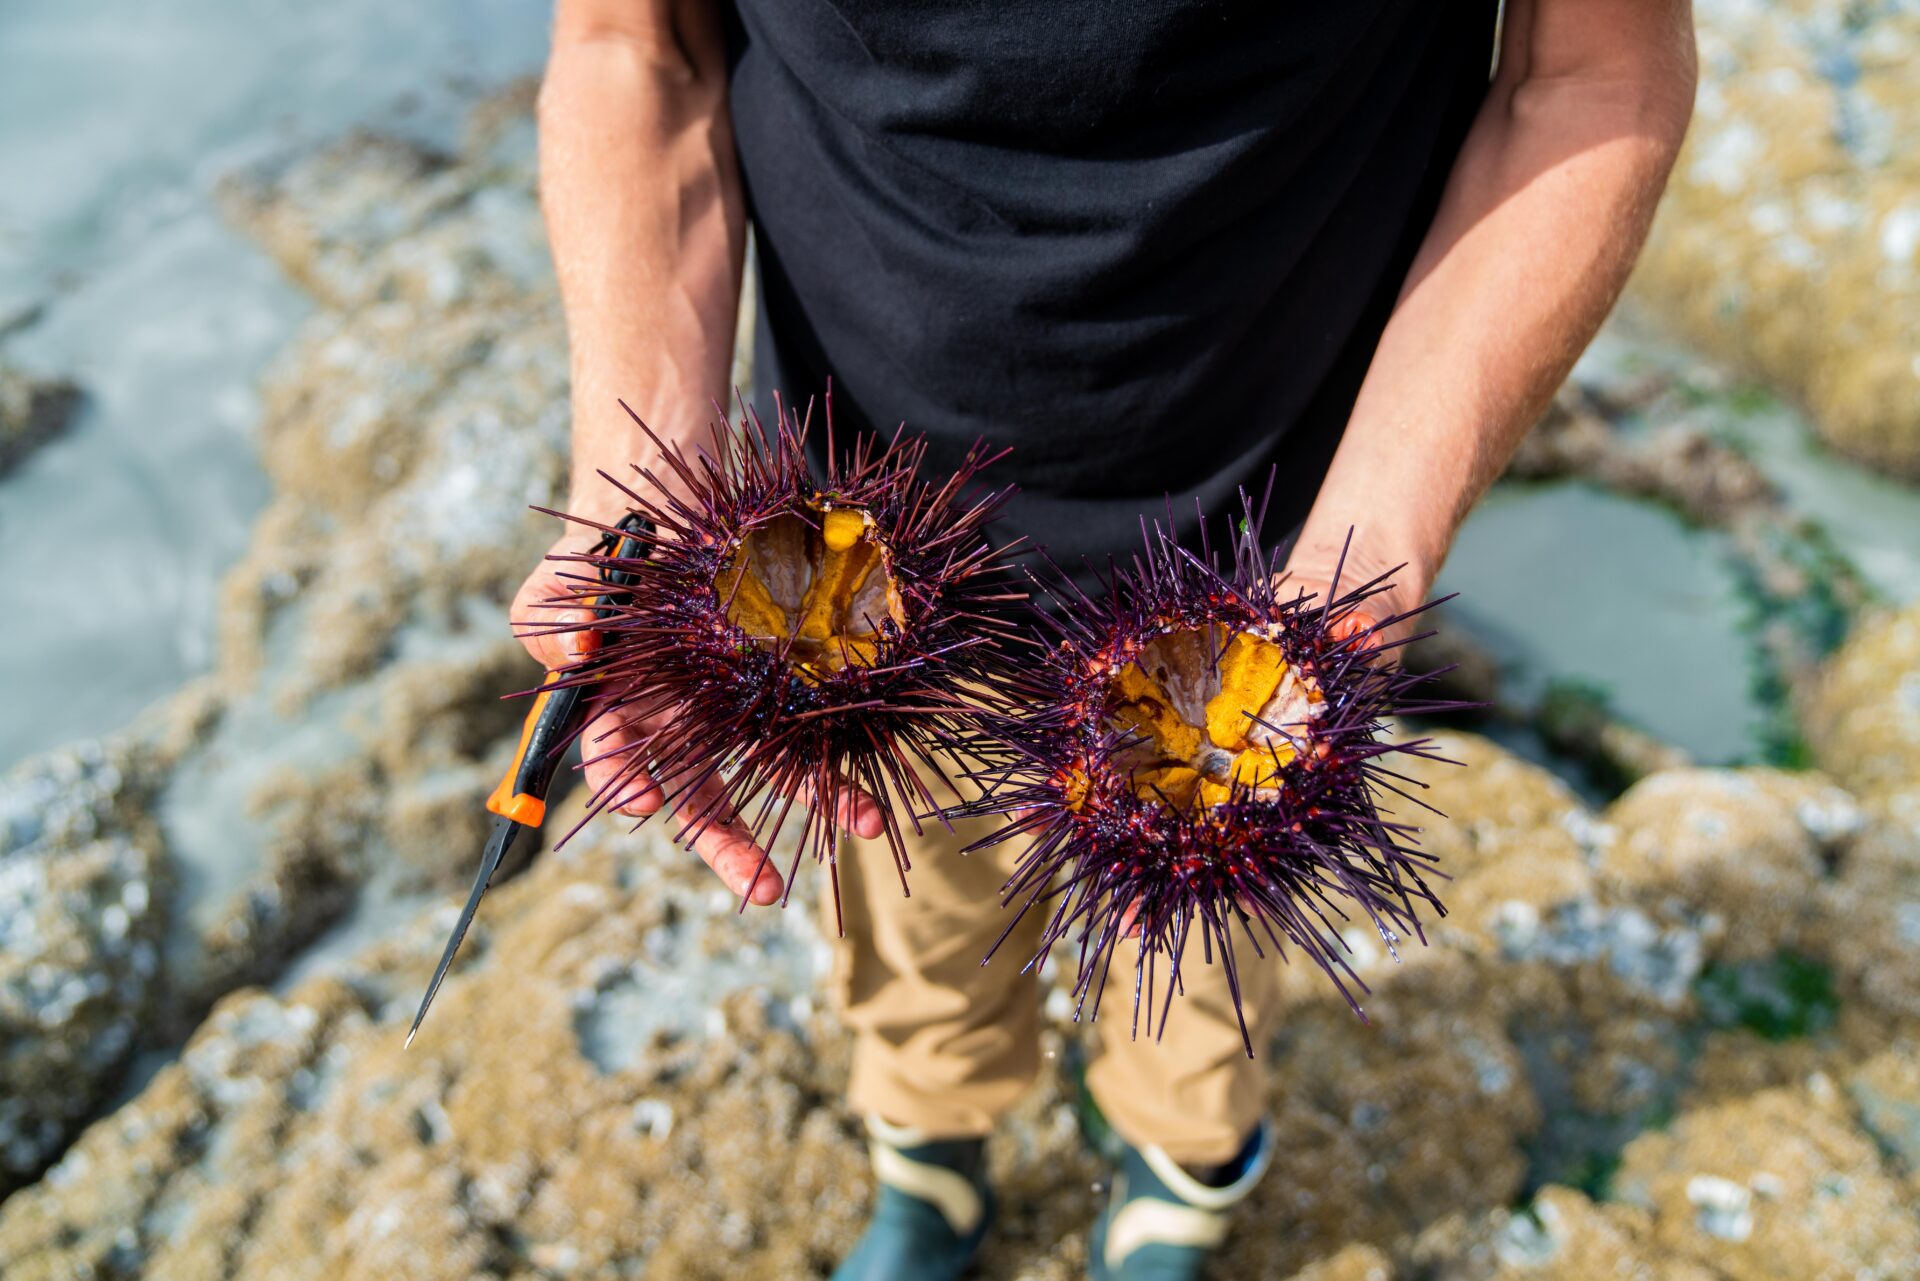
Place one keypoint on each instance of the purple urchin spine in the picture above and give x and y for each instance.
(1288, 846)
(784, 641)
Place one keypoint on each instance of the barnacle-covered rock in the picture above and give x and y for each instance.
(1886, 1094)
(32, 412)
(1559, 1236)
(1354, 1263)
(1862, 716)
(1871, 926)
(297, 1138)
(1789, 238)
(1774, 1186)
(1725, 850)
(83, 892)
(1511, 844)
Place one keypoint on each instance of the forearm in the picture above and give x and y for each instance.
(1540, 222)
(639, 185)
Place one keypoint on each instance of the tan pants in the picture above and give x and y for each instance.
(945, 1046)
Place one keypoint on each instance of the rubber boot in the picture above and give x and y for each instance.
(932, 1210)
(1163, 1224)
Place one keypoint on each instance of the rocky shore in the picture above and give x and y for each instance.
(1673, 1038)
(1670, 1037)
(33, 410)
(1789, 240)
(338, 757)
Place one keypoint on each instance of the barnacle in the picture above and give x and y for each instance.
(781, 641)
(1195, 750)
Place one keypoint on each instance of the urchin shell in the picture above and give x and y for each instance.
(791, 640)
(1199, 750)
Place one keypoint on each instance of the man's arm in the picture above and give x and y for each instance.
(640, 186)
(1545, 211)
(641, 192)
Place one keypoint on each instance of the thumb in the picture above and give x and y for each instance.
(557, 637)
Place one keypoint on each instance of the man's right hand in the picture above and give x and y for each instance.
(609, 746)
(641, 191)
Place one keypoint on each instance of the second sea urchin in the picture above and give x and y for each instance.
(782, 641)
(1196, 753)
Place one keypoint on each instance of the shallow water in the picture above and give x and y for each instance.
(116, 119)
(1565, 581)
(1872, 519)
(1570, 583)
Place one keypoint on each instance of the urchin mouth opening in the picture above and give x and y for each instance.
(1215, 714)
(818, 589)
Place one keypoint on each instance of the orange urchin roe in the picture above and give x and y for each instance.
(749, 607)
(1177, 783)
(1143, 705)
(1250, 672)
(1192, 697)
(823, 586)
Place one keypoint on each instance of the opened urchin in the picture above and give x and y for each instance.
(1195, 750)
(779, 640)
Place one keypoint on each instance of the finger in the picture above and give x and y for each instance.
(608, 749)
(854, 811)
(723, 844)
(555, 637)
(1353, 626)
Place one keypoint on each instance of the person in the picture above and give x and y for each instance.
(1158, 248)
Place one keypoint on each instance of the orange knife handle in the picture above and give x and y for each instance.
(550, 723)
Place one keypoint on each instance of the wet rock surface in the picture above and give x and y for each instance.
(83, 885)
(33, 411)
(363, 648)
(1780, 1184)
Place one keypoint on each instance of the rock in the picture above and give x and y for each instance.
(622, 1073)
(32, 412)
(1389, 1127)
(340, 753)
(1354, 1263)
(364, 644)
(1725, 851)
(1789, 239)
(1886, 1091)
(1862, 716)
(298, 1137)
(1561, 1235)
(1508, 841)
(83, 888)
(1776, 1187)
(1704, 479)
(1871, 914)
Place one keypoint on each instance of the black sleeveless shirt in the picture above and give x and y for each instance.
(1149, 244)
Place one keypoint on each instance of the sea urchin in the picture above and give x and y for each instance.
(1196, 749)
(789, 641)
